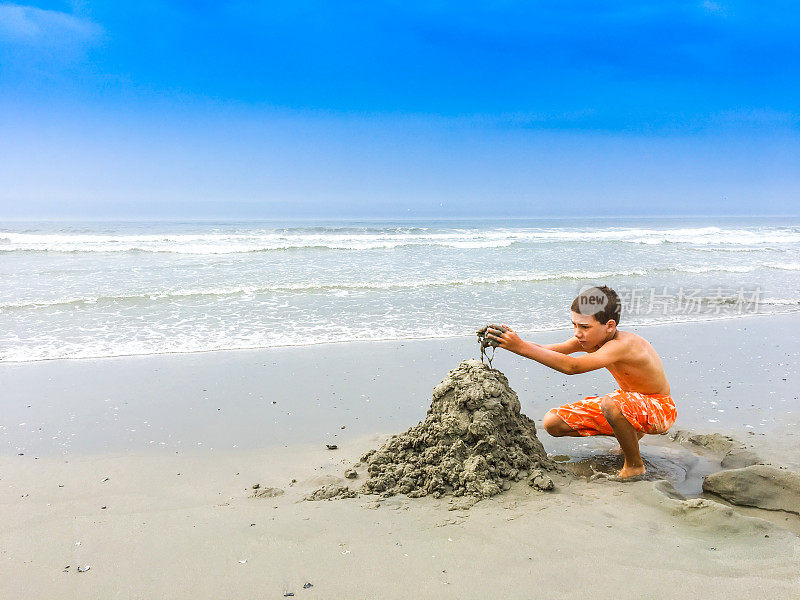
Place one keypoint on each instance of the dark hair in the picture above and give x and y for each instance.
(600, 302)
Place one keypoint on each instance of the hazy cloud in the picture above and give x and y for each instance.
(714, 7)
(28, 25)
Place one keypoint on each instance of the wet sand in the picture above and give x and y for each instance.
(182, 439)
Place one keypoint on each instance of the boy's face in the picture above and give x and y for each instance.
(590, 332)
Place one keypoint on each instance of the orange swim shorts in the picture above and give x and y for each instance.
(649, 413)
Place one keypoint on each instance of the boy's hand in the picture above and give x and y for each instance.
(505, 336)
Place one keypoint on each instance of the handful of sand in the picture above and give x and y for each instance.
(486, 342)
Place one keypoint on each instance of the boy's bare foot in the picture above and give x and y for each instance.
(628, 471)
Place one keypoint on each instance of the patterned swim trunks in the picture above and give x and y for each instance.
(649, 413)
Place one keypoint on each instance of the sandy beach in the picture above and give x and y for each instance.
(253, 256)
(143, 469)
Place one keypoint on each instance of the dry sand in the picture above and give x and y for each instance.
(178, 520)
(179, 527)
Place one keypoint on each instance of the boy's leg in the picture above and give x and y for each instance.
(627, 436)
(639, 436)
(557, 427)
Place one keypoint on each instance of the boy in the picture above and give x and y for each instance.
(642, 404)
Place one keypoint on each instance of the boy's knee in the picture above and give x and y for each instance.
(608, 406)
(552, 423)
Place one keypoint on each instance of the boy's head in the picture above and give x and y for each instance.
(595, 314)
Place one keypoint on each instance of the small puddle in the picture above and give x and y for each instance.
(684, 469)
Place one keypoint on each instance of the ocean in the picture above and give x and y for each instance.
(100, 289)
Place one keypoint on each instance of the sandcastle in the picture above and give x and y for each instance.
(473, 442)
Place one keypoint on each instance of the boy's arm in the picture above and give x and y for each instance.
(568, 347)
(607, 354)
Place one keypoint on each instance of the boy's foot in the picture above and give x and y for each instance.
(628, 471)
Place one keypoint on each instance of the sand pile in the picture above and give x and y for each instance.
(473, 442)
(761, 486)
(734, 455)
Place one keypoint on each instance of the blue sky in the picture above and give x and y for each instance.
(398, 109)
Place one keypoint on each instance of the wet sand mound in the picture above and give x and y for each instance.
(473, 442)
(733, 454)
(761, 486)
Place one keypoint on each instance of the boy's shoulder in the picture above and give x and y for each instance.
(628, 336)
(627, 340)
(633, 342)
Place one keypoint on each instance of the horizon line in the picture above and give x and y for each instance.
(385, 219)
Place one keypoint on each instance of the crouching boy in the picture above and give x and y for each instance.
(642, 404)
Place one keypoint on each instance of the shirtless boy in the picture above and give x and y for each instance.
(641, 405)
